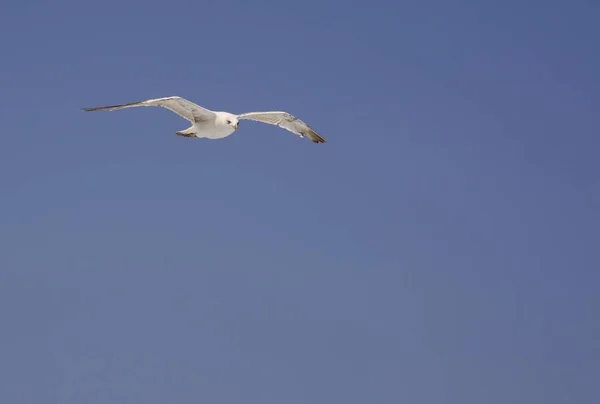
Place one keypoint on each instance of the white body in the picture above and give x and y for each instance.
(217, 128)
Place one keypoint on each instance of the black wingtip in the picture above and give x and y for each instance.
(314, 136)
(319, 139)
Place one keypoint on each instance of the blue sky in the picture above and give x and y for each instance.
(441, 248)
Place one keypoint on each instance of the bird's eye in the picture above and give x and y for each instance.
(228, 122)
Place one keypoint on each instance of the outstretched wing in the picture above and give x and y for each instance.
(285, 121)
(184, 108)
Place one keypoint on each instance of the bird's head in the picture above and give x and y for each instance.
(232, 121)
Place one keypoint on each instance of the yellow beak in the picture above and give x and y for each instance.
(236, 126)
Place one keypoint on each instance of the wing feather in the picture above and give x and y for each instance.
(184, 108)
(286, 121)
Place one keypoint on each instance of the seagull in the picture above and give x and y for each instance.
(218, 124)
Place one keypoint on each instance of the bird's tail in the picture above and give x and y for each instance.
(189, 132)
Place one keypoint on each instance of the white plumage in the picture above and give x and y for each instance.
(217, 124)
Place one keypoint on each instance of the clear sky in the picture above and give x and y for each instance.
(442, 247)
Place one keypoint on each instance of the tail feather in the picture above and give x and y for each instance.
(189, 132)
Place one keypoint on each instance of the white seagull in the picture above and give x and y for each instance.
(217, 124)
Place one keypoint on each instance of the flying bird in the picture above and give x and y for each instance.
(217, 124)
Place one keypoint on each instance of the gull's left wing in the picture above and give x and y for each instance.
(285, 121)
(182, 107)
